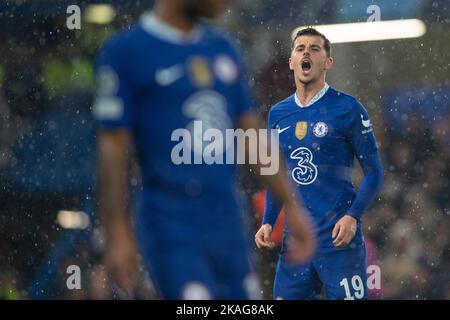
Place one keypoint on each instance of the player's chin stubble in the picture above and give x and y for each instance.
(306, 81)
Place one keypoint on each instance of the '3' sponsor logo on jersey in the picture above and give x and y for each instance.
(306, 171)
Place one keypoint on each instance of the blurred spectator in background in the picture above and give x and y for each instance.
(276, 81)
(9, 286)
(12, 126)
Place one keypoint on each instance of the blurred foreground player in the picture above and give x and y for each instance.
(321, 131)
(162, 75)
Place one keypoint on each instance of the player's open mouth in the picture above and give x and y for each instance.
(306, 65)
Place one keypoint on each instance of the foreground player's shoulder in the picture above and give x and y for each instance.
(212, 34)
(221, 41)
(281, 109)
(120, 45)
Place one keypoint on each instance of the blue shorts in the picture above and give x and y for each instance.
(341, 272)
(195, 255)
(189, 271)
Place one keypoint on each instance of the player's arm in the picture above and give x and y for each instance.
(364, 146)
(345, 229)
(121, 251)
(303, 241)
(370, 185)
(272, 210)
(113, 111)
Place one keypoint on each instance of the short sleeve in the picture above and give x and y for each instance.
(113, 105)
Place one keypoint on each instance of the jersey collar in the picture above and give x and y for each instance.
(151, 24)
(318, 95)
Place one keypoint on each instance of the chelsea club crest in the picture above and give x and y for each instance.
(320, 129)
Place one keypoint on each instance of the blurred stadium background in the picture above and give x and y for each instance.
(47, 136)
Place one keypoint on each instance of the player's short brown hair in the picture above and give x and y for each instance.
(309, 31)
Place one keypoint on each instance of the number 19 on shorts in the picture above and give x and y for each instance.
(357, 286)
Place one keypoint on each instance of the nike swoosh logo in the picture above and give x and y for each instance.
(284, 129)
(165, 77)
(366, 123)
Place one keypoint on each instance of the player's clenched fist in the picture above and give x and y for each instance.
(262, 237)
(301, 242)
(344, 231)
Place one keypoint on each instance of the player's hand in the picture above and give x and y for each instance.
(121, 260)
(344, 231)
(301, 241)
(262, 237)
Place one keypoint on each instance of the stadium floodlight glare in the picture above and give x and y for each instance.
(371, 31)
(99, 13)
(73, 219)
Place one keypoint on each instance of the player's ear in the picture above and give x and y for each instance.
(329, 63)
(291, 67)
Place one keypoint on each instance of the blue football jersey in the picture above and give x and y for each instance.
(320, 142)
(153, 81)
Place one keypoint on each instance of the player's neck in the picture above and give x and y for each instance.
(307, 91)
(175, 17)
